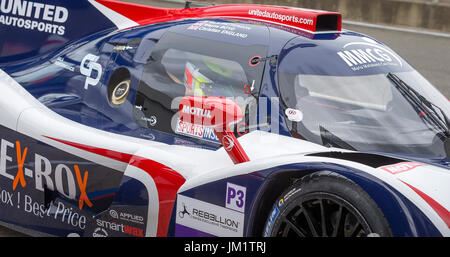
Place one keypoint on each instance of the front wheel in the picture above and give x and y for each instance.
(325, 204)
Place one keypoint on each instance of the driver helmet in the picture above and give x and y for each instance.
(207, 78)
(195, 82)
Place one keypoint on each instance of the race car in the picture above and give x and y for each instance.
(120, 119)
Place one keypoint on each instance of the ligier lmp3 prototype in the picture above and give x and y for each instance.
(120, 119)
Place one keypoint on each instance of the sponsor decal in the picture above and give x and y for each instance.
(100, 232)
(235, 198)
(90, 68)
(61, 63)
(58, 211)
(121, 48)
(121, 228)
(228, 143)
(66, 179)
(34, 16)
(280, 17)
(113, 214)
(6, 197)
(196, 111)
(151, 121)
(254, 61)
(124, 216)
(401, 167)
(271, 221)
(229, 29)
(290, 193)
(121, 90)
(242, 128)
(183, 212)
(368, 54)
(209, 218)
(148, 136)
(196, 131)
(281, 203)
(294, 115)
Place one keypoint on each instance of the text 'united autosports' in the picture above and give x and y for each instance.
(119, 119)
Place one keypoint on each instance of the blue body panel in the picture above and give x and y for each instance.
(32, 33)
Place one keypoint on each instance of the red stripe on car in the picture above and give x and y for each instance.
(439, 209)
(167, 180)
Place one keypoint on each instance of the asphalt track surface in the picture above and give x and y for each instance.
(429, 54)
(5, 232)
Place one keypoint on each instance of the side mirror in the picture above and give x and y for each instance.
(218, 113)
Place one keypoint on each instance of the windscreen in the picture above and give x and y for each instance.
(346, 99)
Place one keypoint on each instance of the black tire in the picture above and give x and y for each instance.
(325, 204)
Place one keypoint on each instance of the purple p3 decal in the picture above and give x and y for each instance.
(235, 198)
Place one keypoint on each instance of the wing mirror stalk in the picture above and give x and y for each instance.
(218, 113)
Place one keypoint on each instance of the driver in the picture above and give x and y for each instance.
(195, 82)
(211, 79)
(207, 78)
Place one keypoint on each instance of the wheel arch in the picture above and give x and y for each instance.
(403, 217)
(274, 185)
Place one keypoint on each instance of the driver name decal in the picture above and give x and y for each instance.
(228, 29)
(34, 16)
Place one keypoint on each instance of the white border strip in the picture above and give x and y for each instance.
(153, 198)
(118, 19)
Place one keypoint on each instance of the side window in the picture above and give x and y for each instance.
(203, 75)
(183, 65)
